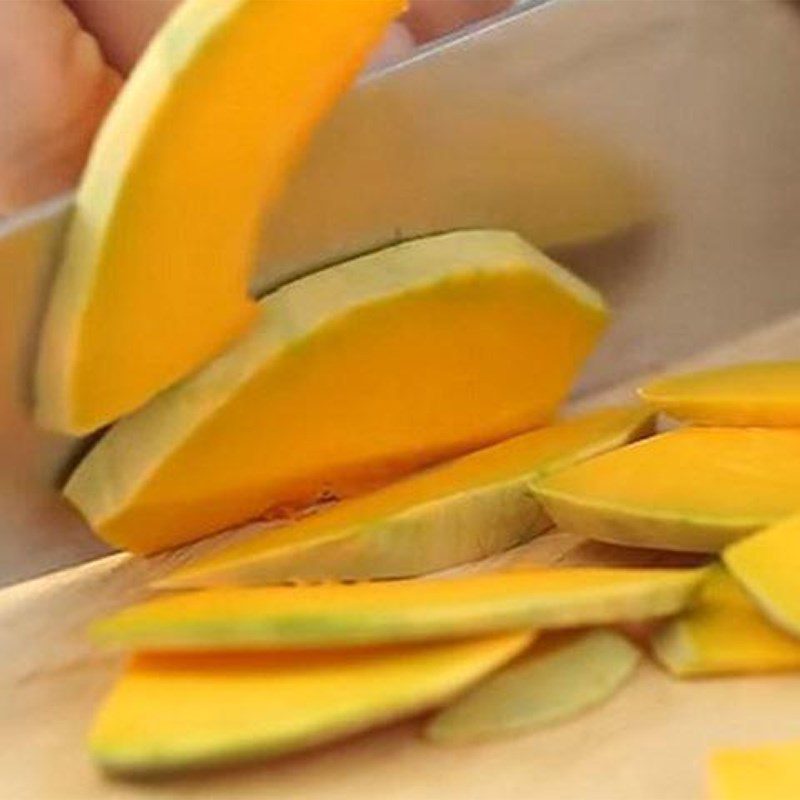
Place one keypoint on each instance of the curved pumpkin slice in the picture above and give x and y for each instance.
(695, 489)
(460, 511)
(768, 772)
(154, 278)
(562, 676)
(767, 565)
(171, 711)
(351, 376)
(330, 615)
(723, 632)
(763, 394)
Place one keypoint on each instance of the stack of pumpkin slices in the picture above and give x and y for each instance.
(235, 668)
(530, 636)
(226, 674)
(418, 386)
(729, 482)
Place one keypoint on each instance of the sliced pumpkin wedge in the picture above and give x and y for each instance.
(330, 615)
(723, 632)
(166, 221)
(694, 489)
(762, 394)
(562, 676)
(767, 565)
(170, 711)
(768, 772)
(460, 511)
(351, 376)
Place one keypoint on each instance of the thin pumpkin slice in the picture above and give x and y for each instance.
(693, 489)
(173, 711)
(762, 394)
(562, 676)
(333, 615)
(767, 565)
(351, 376)
(460, 511)
(723, 632)
(767, 772)
(162, 240)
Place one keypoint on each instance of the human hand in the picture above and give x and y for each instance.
(63, 61)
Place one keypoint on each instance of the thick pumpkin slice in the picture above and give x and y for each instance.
(761, 394)
(723, 632)
(330, 615)
(768, 772)
(460, 511)
(695, 489)
(562, 676)
(171, 711)
(768, 565)
(350, 376)
(154, 278)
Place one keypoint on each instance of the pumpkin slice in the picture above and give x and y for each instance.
(723, 632)
(352, 375)
(162, 240)
(768, 565)
(695, 489)
(460, 511)
(172, 711)
(563, 675)
(763, 394)
(330, 615)
(768, 772)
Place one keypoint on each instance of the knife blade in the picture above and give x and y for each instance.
(652, 147)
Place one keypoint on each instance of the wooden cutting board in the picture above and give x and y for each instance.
(650, 742)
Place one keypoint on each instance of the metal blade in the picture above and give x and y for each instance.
(654, 147)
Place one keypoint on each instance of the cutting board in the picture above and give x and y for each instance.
(650, 742)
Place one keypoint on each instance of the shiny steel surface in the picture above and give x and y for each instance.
(652, 146)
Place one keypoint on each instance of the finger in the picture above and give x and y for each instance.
(429, 19)
(123, 29)
(54, 90)
(396, 45)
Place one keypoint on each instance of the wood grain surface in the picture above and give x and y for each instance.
(649, 743)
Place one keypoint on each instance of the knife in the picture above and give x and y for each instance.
(652, 147)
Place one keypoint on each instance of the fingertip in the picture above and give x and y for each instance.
(397, 44)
